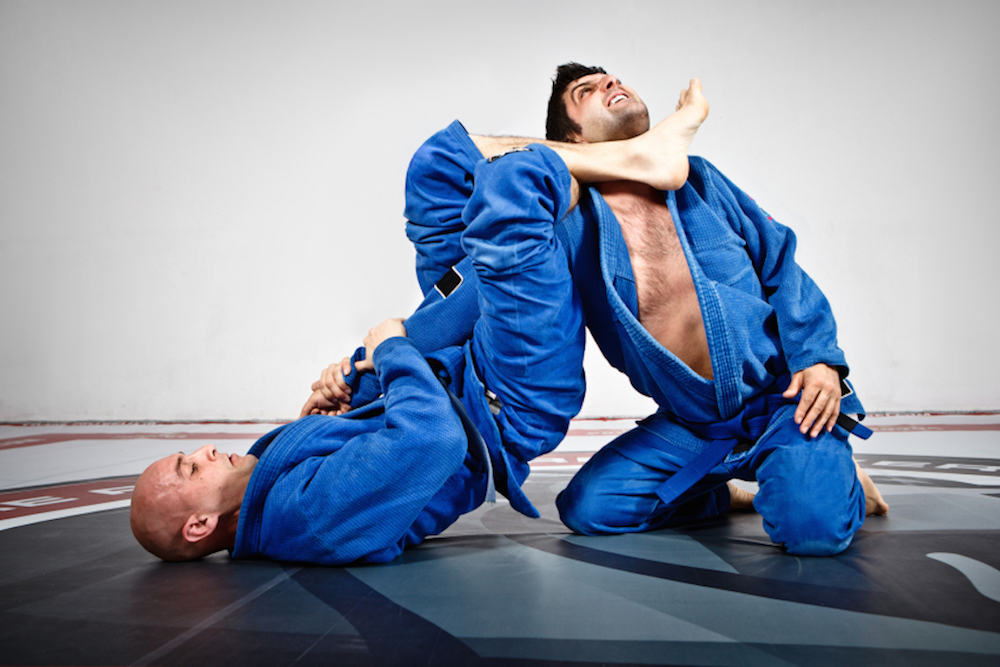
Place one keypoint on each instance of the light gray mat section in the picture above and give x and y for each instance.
(679, 549)
(985, 578)
(940, 510)
(662, 547)
(524, 593)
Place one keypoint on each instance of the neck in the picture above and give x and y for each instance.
(229, 521)
(224, 535)
(228, 525)
(225, 531)
(612, 190)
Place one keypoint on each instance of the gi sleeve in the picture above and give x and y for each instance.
(357, 501)
(806, 325)
(439, 182)
(445, 318)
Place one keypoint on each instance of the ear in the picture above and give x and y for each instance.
(199, 526)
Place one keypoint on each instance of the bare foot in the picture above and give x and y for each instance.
(661, 153)
(874, 502)
(740, 500)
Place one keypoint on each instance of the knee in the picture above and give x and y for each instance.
(611, 493)
(806, 530)
(810, 498)
(591, 506)
(579, 510)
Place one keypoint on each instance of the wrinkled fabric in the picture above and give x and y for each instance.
(765, 319)
(364, 486)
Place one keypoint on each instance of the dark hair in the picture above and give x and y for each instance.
(558, 125)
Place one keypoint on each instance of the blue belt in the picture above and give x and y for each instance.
(723, 436)
(477, 445)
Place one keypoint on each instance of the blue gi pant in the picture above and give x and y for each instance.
(810, 497)
(528, 342)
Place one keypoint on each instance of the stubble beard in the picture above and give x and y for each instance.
(627, 125)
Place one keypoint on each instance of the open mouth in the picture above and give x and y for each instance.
(617, 98)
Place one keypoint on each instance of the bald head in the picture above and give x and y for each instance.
(158, 514)
(187, 506)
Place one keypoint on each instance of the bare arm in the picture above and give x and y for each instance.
(657, 158)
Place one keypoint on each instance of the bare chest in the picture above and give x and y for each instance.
(668, 301)
(660, 268)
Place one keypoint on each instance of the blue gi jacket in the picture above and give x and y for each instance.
(764, 317)
(333, 490)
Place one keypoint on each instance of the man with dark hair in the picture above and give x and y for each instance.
(558, 125)
(696, 296)
(484, 376)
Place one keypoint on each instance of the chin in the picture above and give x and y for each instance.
(639, 125)
(629, 126)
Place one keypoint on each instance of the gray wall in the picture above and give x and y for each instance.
(201, 202)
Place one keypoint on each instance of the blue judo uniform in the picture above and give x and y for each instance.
(764, 320)
(505, 343)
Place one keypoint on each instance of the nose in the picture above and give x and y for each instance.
(208, 451)
(610, 82)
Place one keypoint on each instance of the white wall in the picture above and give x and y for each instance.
(201, 202)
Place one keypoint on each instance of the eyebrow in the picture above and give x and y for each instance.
(573, 90)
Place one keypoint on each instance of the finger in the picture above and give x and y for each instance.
(337, 372)
(828, 399)
(342, 383)
(314, 403)
(308, 409)
(823, 420)
(794, 386)
(319, 402)
(808, 409)
(831, 420)
(809, 419)
(820, 407)
(368, 342)
(323, 388)
(333, 386)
